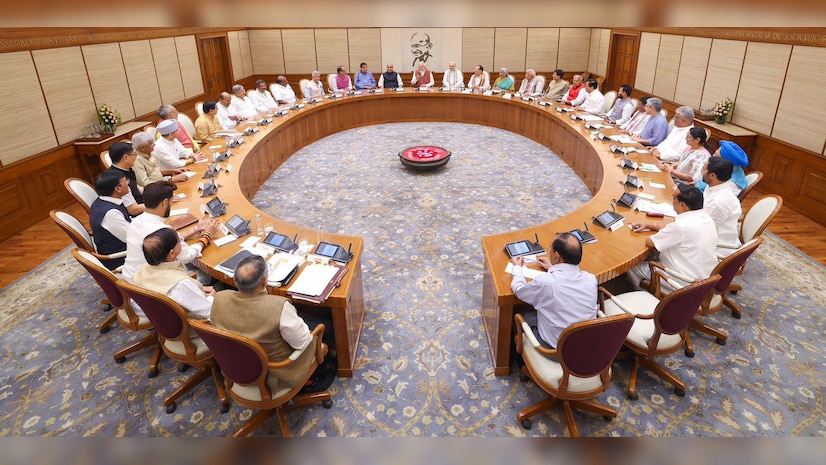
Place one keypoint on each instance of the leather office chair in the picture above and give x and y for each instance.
(610, 98)
(123, 310)
(178, 343)
(82, 191)
(199, 108)
(585, 352)
(246, 366)
(751, 180)
(79, 235)
(660, 325)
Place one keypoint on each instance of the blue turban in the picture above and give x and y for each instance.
(732, 152)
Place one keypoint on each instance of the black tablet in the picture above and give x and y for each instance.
(524, 247)
(216, 207)
(627, 200)
(280, 242)
(326, 249)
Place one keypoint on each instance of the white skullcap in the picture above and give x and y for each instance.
(167, 126)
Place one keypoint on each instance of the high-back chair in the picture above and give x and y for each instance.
(82, 191)
(331, 81)
(124, 313)
(178, 343)
(583, 370)
(610, 98)
(105, 159)
(751, 180)
(246, 366)
(152, 130)
(187, 123)
(301, 85)
(81, 237)
(199, 108)
(660, 325)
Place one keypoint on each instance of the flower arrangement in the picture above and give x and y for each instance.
(108, 117)
(723, 109)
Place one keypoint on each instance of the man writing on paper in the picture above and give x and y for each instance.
(562, 296)
(273, 322)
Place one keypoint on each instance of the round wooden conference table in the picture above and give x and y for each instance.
(592, 160)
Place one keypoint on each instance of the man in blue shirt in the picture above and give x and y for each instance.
(364, 79)
(656, 129)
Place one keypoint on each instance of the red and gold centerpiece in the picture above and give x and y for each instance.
(424, 157)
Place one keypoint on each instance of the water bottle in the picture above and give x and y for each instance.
(259, 226)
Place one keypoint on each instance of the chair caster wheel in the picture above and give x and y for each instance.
(225, 408)
(735, 314)
(720, 341)
(607, 417)
(171, 407)
(733, 292)
(689, 353)
(527, 424)
(327, 404)
(679, 392)
(183, 368)
(105, 330)
(633, 395)
(120, 360)
(106, 307)
(523, 377)
(153, 373)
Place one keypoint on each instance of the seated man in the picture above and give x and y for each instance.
(558, 86)
(123, 159)
(479, 80)
(184, 137)
(314, 87)
(169, 153)
(656, 128)
(422, 78)
(623, 107)
(636, 123)
(261, 98)
(685, 245)
(364, 78)
(576, 93)
(722, 204)
(207, 125)
(561, 297)
(146, 169)
(504, 81)
(270, 320)
(227, 121)
(108, 217)
(390, 79)
(164, 274)
(674, 145)
(453, 77)
(342, 80)
(594, 100)
(240, 104)
(284, 93)
(531, 85)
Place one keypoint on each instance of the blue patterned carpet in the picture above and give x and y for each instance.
(423, 367)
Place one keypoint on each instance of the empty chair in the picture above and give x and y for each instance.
(757, 218)
(751, 180)
(610, 98)
(660, 326)
(245, 365)
(583, 370)
(82, 191)
(171, 323)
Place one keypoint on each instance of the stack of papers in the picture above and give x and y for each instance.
(653, 207)
(623, 139)
(529, 273)
(314, 279)
(650, 168)
(282, 266)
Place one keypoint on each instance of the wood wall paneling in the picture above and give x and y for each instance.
(299, 51)
(267, 51)
(477, 48)
(17, 70)
(761, 83)
(167, 70)
(593, 51)
(813, 188)
(647, 61)
(542, 49)
(332, 51)
(508, 51)
(235, 56)
(190, 64)
(802, 109)
(365, 45)
(68, 92)
(723, 76)
(143, 83)
(246, 55)
(693, 67)
(574, 45)
(602, 57)
(108, 78)
(668, 64)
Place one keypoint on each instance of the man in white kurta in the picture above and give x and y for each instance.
(531, 86)
(261, 98)
(721, 203)
(169, 153)
(674, 145)
(240, 104)
(594, 100)
(453, 77)
(284, 93)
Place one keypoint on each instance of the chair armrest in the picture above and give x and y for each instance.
(320, 348)
(117, 254)
(660, 273)
(522, 327)
(728, 246)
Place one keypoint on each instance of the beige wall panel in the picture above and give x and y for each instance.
(668, 65)
(143, 83)
(542, 50)
(647, 61)
(267, 52)
(246, 54)
(508, 51)
(299, 51)
(67, 89)
(604, 45)
(332, 51)
(760, 85)
(802, 109)
(235, 55)
(168, 70)
(593, 51)
(452, 43)
(693, 65)
(723, 75)
(477, 48)
(574, 45)
(364, 45)
(17, 71)
(190, 66)
(104, 66)
(392, 51)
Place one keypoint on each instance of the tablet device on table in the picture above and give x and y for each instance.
(523, 247)
(280, 242)
(334, 252)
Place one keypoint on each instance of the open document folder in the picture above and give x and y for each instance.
(646, 206)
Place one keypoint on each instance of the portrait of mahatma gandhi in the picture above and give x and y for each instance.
(420, 46)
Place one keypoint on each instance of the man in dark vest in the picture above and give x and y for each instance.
(108, 216)
(123, 159)
(390, 79)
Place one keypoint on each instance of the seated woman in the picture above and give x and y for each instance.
(689, 169)
(504, 82)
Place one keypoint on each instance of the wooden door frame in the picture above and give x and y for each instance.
(224, 63)
(612, 59)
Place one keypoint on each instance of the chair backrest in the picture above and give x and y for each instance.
(758, 217)
(587, 348)
(82, 191)
(105, 159)
(541, 79)
(105, 278)
(664, 112)
(184, 121)
(74, 229)
(751, 180)
(168, 318)
(676, 310)
(199, 108)
(241, 359)
(152, 130)
(634, 104)
(331, 81)
(728, 267)
(610, 98)
(301, 85)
